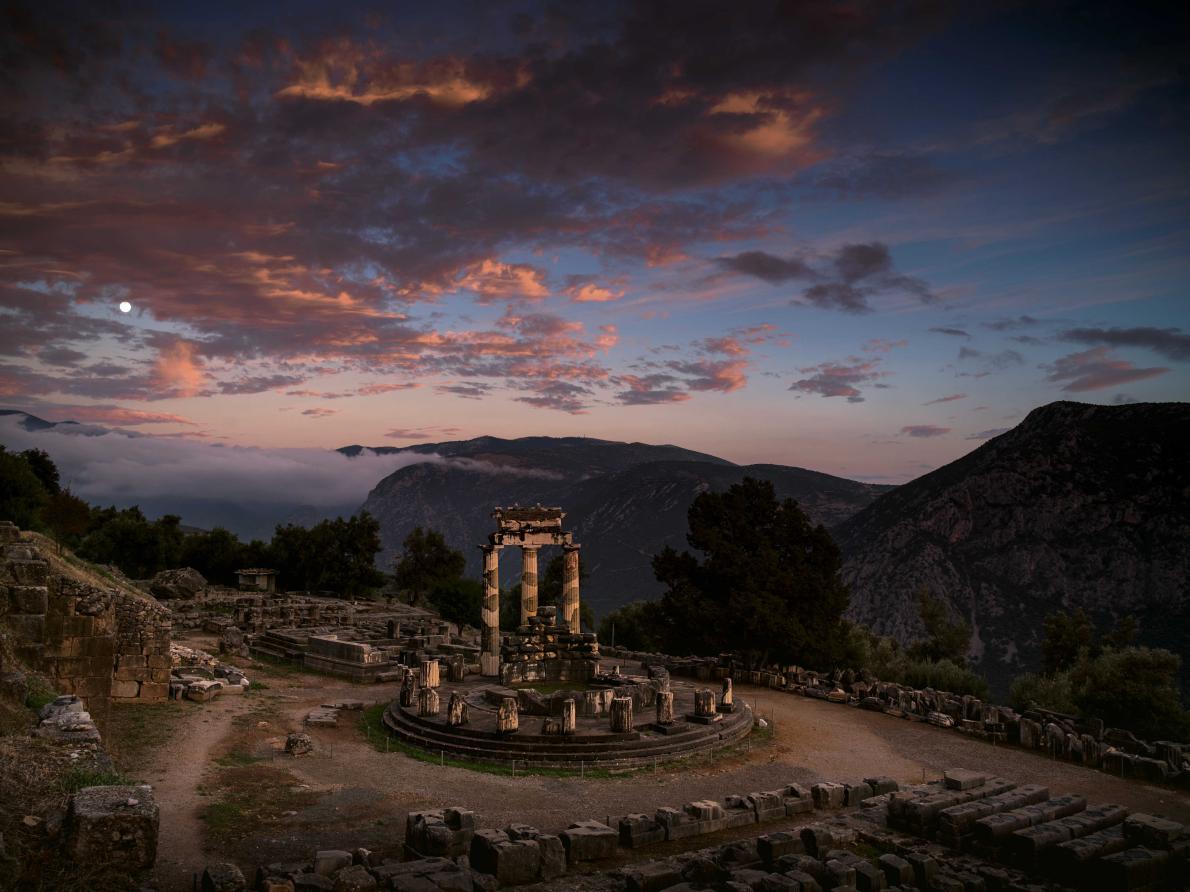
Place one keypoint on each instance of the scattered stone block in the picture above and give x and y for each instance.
(828, 795)
(963, 779)
(114, 825)
(772, 846)
(652, 876)
(854, 794)
(223, 878)
(638, 830)
(589, 841)
(324, 717)
(897, 870)
(868, 877)
(328, 861)
(299, 744)
(1150, 831)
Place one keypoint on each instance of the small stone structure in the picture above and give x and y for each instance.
(257, 579)
(113, 826)
(545, 651)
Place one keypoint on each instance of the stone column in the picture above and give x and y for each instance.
(507, 716)
(621, 715)
(570, 602)
(456, 710)
(665, 707)
(727, 699)
(568, 716)
(456, 668)
(427, 702)
(489, 657)
(528, 582)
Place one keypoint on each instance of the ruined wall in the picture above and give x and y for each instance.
(142, 660)
(59, 627)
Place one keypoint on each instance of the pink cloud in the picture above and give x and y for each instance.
(925, 430)
(1096, 369)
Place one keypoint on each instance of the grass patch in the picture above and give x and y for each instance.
(257, 686)
(136, 729)
(77, 778)
(249, 800)
(40, 693)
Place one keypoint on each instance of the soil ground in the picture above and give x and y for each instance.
(227, 790)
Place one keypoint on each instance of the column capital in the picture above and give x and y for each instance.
(571, 546)
(530, 548)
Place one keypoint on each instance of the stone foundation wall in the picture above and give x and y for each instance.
(1085, 741)
(142, 661)
(59, 627)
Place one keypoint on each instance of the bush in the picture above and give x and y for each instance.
(1044, 691)
(1133, 688)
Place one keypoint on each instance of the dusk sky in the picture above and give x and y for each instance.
(857, 237)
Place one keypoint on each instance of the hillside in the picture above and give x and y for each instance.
(624, 501)
(1078, 506)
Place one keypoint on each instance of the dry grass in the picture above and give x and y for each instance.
(71, 566)
(135, 730)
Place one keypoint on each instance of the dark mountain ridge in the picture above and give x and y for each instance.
(624, 501)
(1078, 506)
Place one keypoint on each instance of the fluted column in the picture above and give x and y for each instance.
(570, 601)
(528, 582)
(489, 657)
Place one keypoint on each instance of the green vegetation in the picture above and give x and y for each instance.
(77, 778)
(427, 563)
(888, 661)
(1128, 687)
(39, 693)
(766, 586)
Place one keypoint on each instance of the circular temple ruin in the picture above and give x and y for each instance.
(539, 696)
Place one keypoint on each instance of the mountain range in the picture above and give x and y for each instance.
(624, 501)
(1077, 506)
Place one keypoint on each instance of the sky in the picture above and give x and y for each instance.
(858, 237)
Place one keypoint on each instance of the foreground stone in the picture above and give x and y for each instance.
(116, 826)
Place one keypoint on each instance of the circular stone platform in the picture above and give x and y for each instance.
(593, 742)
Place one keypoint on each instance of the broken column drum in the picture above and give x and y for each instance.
(568, 716)
(427, 702)
(430, 673)
(507, 716)
(408, 689)
(704, 702)
(456, 710)
(727, 699)
(665, 707)
(621, 715)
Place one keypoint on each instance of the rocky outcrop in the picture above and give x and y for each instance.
(1078, 506)
(185, 583)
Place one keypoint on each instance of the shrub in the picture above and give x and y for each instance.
(1047, 692)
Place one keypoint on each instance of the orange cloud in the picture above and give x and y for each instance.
(493, 280)
(178, 371)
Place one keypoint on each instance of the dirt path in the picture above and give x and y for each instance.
(176, 772)
(360, 795)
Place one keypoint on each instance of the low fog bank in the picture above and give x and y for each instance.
(246, 489)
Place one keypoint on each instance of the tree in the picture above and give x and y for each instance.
(425, 563)
(1134, 688)
(633, 626)
(1123, 634)
(22, 494)
(217, 554)
(767, 585)
(44, 468)
(333, 555)
(945, 640)
(459, 601)
(67, 516)
(1067, 639)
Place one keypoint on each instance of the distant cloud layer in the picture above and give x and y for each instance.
(105, 466)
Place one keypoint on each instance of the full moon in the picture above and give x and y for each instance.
(125, 307)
